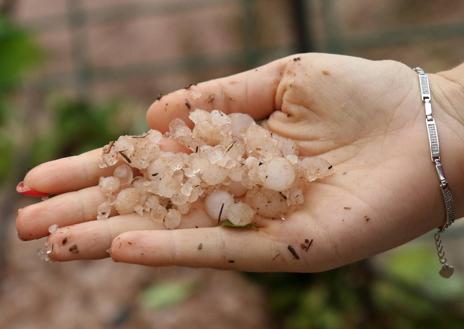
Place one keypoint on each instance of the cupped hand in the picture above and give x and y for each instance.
(364, 117)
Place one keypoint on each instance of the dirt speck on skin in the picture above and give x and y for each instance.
(64, 241)
(306, 244)
(129, 243)
(367, 218)
(293, 252)
(325, 72)
(159, 97)
(200, 246)
(231, 261)
(347, 208)
(74, 249)
(210, 99)
(297, 59)
(187, 104)
(190, 85)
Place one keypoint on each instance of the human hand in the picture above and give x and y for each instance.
(364, 117)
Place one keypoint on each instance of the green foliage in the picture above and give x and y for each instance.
(78, 126)
(229, 224)
(166, 294)
(404, 291)
(6, 151)
(18, 54)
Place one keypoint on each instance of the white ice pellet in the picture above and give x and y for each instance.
(158, 212)
(104, 210)
(109, 185)
(236, 167)
(126, 200)
(172, 219)
(124, 174)
(216, 203)
(278, 174)
(267, 203)
(237, 189)
(214, 175)
(52, 228)
(239, 214)
(240, 123)
(315, 168)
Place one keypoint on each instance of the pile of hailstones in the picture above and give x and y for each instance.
(239, 169)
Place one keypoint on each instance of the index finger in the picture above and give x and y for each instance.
(76, 172)
(252, 92)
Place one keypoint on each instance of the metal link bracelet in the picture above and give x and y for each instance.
(446, 270)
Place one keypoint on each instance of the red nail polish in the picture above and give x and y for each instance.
(27, 191)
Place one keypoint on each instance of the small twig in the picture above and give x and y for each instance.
(125, 156)
(230, 146)
(293, 252)
(220, 213)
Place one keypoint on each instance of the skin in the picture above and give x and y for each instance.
(365, 117)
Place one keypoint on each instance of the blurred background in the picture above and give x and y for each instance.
(75, 74)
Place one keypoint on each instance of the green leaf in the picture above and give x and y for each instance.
(18, 52)
(166, 294)
(228, 223)
(417, 265)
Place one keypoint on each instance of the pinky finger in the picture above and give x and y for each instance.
(214, 247)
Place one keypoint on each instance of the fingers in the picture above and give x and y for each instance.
(91, 240)
(251, 92)
(64, 209)
(67, 174)
(217, 247)
(76, 172)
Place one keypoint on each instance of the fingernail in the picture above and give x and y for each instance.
(22, 189)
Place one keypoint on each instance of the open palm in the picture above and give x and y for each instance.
(365, 117)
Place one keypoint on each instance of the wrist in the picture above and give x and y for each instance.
(451, 90)
(448, 99)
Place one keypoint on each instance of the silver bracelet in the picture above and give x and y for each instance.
(446, 270)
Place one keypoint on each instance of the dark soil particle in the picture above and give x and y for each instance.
(74, 249)
(200, 246)
(64, 241)
(366, 218)
(307, 244)
(231, 261)
(296, 59)
(293, 252)
(210, 99)
(347, 208)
